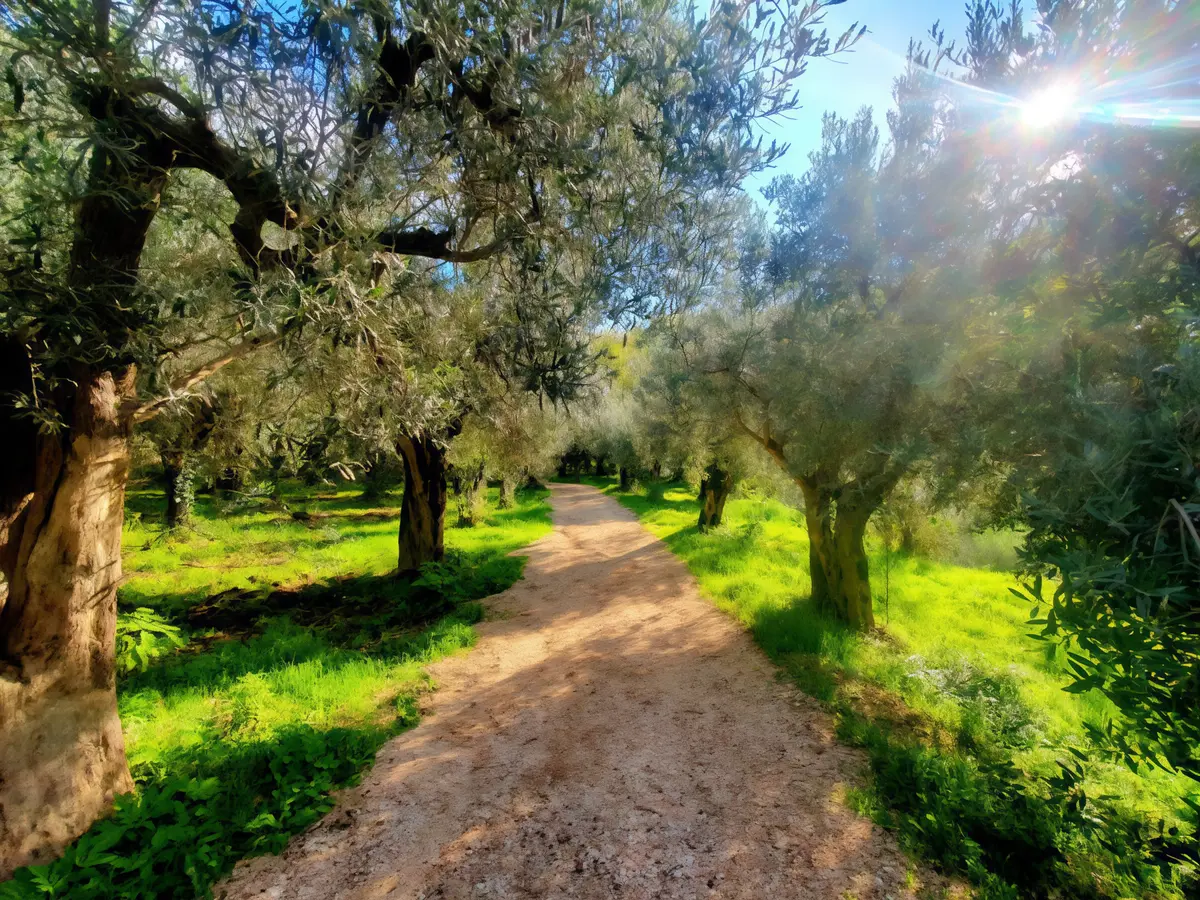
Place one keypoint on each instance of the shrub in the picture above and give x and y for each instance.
(991, 703)
(142, 637)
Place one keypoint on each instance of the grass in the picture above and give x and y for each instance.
(962, 712)
(301, 657)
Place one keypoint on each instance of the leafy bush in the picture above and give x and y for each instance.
(142, 637)
(991, 702)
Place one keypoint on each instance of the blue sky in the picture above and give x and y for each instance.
(862, 77)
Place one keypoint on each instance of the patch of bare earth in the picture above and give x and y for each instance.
(612, 736)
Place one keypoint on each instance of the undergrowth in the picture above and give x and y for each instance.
(978, 757)
(300, 657)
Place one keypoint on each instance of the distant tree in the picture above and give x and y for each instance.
(685, 425)
(840, 349)
(180, 434)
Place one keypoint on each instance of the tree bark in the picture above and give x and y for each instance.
(837, 556)
(423, 509)
(853, 573)
(626, 478)
(62, 757)
(817, 517)
(508, 492)
(62, 753)
(714, 491)
(471, 497)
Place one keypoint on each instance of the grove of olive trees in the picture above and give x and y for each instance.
(303, 261)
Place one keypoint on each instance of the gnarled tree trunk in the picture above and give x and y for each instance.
(508, 492)
(714, 491)
(423, 509)
(472, 496)
(837, 556)
(626, 478)
(62, 754)
(850, 563)
(179, 494)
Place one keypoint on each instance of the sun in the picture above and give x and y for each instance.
(1050, 105)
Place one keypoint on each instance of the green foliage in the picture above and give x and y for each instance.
(1091, 394)
(1013, 835)
(1116, 531)
(963, 716)
(993, 709)
(236, 744)
(142, 637)
(178, 834)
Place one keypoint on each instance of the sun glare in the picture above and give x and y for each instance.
(1049, 106)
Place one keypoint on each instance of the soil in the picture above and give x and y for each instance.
(611, 736)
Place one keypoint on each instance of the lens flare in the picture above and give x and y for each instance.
(1050, 105)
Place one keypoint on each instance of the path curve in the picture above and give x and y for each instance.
(611, 736)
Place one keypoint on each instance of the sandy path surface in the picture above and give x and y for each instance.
(612, 735)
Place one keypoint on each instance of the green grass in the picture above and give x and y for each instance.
(302, 657)
(954, 690)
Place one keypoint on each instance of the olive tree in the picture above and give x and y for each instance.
(843, 339)
(684, 425)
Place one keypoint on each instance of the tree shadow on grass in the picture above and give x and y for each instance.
(242, 631)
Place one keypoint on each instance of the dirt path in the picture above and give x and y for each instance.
(612, 735)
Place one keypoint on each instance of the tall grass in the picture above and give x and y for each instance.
(953, 682)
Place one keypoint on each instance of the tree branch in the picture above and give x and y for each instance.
(183, 383)
(768, 443)
(435, 245)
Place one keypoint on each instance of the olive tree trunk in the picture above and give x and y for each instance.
(626, 478)
(62, 498)
(508, 492)
(714, 491)
(178, 490)
(841, 581)
(423, 509)
(62, 753)
(472, 498)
